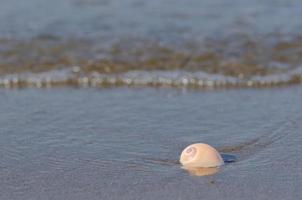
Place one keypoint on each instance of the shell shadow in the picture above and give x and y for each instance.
(228, 158)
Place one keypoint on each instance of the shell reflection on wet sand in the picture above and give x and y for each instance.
(201, 171)
(201, 159)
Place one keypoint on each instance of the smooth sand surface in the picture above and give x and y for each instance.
(125, 143)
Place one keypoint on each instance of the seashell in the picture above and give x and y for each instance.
(200, 155)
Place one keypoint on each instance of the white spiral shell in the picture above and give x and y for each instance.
(200, 155)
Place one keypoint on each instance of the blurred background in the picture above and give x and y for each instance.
(157, 43)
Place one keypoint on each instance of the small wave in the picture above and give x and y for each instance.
(243, 60)
(156, 78)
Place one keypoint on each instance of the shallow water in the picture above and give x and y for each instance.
(203, 44)
(124, 143)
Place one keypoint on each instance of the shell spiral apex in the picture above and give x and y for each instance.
(200, 155)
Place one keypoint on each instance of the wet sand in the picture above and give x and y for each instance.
(125, 143)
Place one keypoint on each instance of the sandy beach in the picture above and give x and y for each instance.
(98, 99)
(112, 144)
